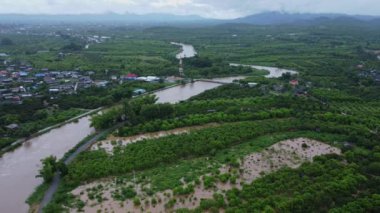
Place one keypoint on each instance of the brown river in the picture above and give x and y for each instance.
(19, 168)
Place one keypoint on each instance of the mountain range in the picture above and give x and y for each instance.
(267, 18)
(273, 18)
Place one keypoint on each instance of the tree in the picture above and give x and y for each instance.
(49, 167)
(6, 41)
(62, 168)
(107, 119)
(155, 111)
(137, 103)
(72, 47)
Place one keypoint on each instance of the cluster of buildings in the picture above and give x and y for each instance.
(134, 77)
(13, 84)
(19, 82)
(372, 74)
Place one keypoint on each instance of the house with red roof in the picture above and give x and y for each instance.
(130, 77)
(294, 83)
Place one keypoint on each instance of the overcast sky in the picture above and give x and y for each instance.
(207, 8)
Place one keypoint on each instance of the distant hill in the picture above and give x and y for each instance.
(100, 18)
(274, 18)
(157, 19)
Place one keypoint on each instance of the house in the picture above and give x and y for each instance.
(148, 78)
(252, 84)
(130, 76)
(60, 76)
(152, 78)
(3, 73)
(141, 78)
(7, 80)
(139, 91)
(101, 83)
(10, 99)
(54, 90)
(85, 80)
(12, 126)
(40, 75)
(294, 83)
(114, 78)
(4, 91)
(23, 74)
(55, 73)
(278, 88)
(28, 80)
(301, 91)
(49, 80)
(15, 90)
(360, 66)
(26, 95)
(15, 75)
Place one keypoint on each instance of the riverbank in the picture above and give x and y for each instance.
(84, 145)
(187, 51)
(274, 72)
(19, 142)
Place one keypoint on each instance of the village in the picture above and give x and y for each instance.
(20, 82)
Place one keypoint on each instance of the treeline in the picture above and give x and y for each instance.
(142, 110)
(225, 110)
(95, 97)
(200, 66)
(201, 119)
(40, 119)
(229, 91)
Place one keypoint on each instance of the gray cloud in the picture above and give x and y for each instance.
(206, 8)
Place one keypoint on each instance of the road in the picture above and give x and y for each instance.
(57, 178)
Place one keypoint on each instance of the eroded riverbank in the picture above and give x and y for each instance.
(274, 72)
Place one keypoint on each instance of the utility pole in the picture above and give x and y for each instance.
(181, 71)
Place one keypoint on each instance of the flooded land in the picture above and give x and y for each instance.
(288, 153)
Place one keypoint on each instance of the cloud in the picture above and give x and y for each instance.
(206, 8)
(170, 3)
